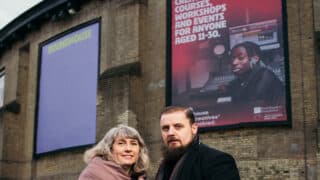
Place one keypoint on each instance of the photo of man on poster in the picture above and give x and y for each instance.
(254, 81)
(229, 61)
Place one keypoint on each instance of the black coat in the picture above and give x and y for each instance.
(259, 84)
(204, 163)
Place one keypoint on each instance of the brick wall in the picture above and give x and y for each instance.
(133, 33)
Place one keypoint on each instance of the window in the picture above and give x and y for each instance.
(2, 77)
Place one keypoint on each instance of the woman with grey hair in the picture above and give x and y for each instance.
(120, 155)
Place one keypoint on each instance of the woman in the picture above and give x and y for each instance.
(120, 155)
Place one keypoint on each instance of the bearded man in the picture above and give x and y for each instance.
(184, 156)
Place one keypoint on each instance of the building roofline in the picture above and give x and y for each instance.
(34, 17)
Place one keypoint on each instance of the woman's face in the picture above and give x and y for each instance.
(125, 151)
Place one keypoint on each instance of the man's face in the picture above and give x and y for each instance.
(240, 60)
(176, 130)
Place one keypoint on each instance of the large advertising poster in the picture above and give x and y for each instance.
(68, 76)
(229, 62)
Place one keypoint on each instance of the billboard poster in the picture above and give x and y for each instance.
(229, 62)
(67, 90)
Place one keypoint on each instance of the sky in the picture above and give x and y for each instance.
(10, 9)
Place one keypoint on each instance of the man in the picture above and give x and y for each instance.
(185, 157)
(254, 82)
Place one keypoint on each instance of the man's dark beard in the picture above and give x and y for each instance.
(172, 155)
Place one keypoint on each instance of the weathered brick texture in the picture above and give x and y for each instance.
(133, 36)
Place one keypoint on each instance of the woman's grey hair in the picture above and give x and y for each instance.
(103, 148)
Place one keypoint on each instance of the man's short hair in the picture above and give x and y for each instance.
(252, 48)
(188, 111)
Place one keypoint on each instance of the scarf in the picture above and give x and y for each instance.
(100, 169)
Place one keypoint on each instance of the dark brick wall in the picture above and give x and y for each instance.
(133, 32)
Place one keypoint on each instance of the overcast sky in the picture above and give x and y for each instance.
(10, 9)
